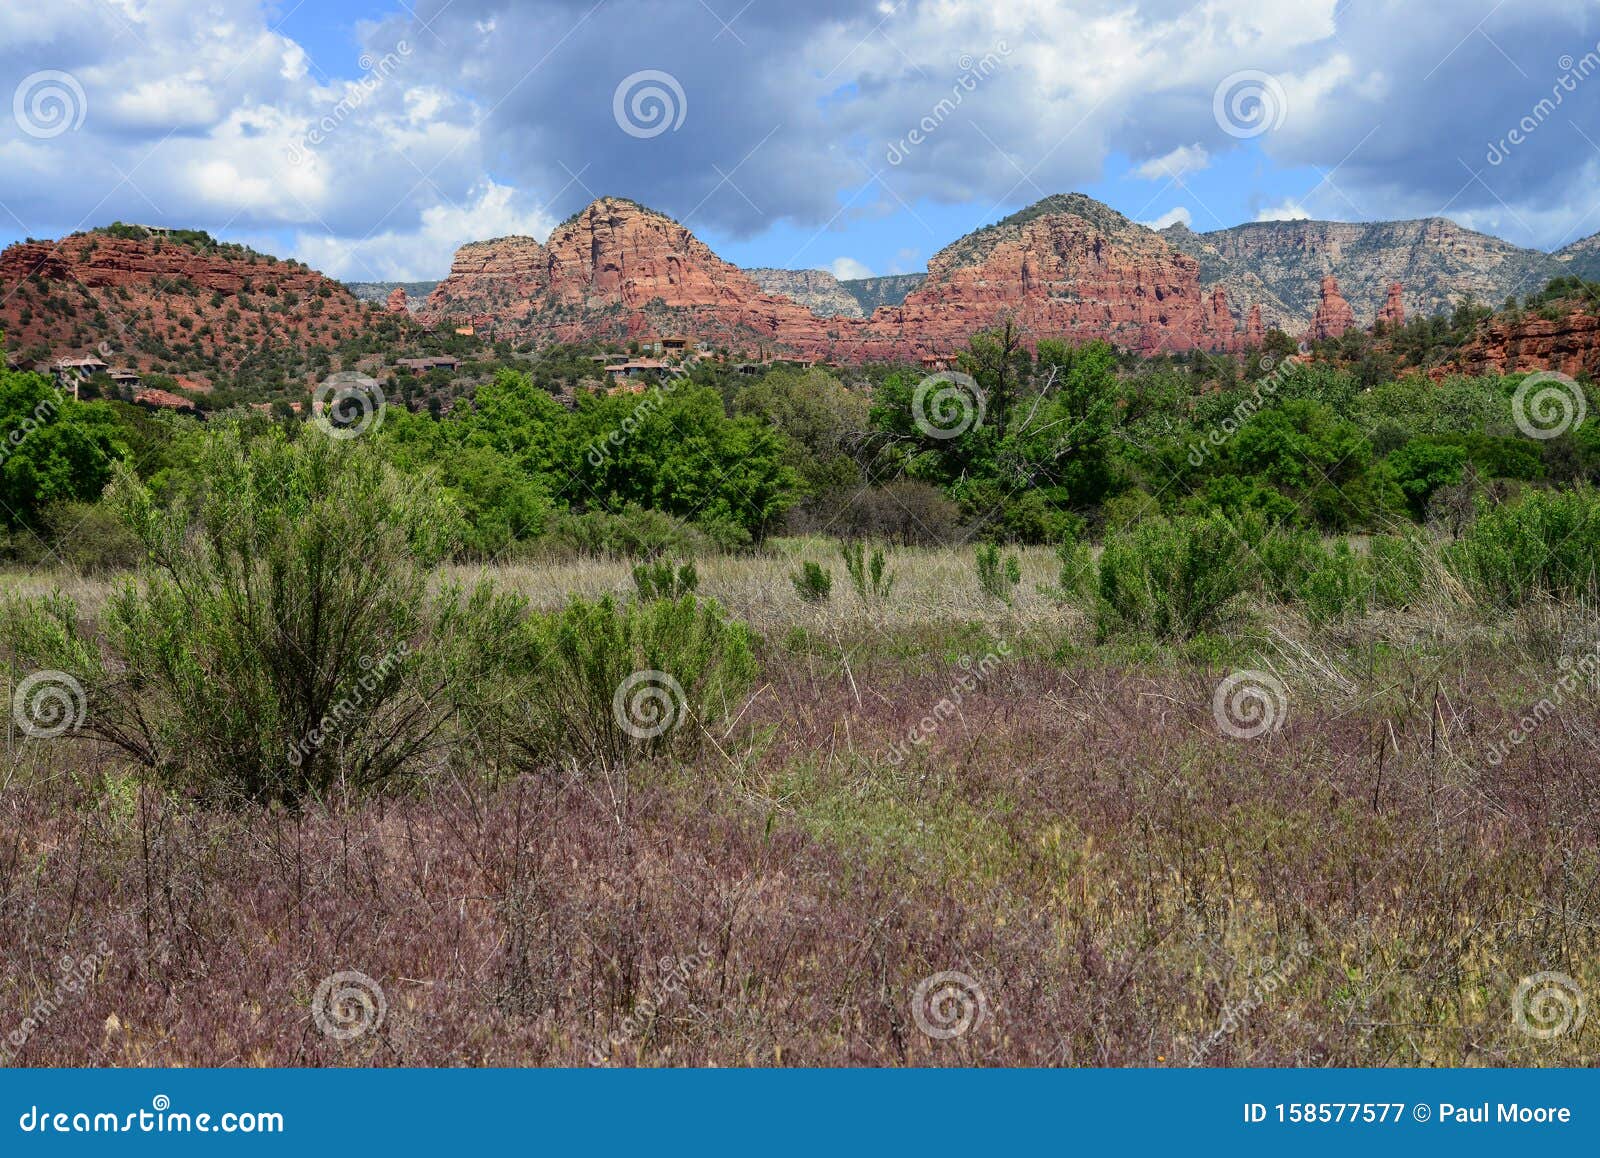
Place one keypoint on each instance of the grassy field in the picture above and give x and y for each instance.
(941, 830)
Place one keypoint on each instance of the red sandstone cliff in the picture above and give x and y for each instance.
(1513, 343)
(1067, 267)
(1393, 311)
(1334, 316)
(397, 302)
(138, 293)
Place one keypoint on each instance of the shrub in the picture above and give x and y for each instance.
(1337, 585)
(812, 582)
(279, 640)
(659, 580)
(1403, 566)
(1077, 568)
(1546, 545)
(631, 533)
(868, 575)
(1170, 578)
(997, 576)
(599, 682)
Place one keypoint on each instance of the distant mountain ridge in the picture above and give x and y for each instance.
(1281, 264)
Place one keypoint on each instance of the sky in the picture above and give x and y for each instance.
(371, 139)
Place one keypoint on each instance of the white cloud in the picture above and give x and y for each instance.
(1288, 211)
(845, 268)
(1183, 160)
(418, 255)
(1178, 214)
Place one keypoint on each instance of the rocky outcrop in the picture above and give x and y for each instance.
(397, 302)
(1217, 322)
(1281, 264)
(873, 293)
(1254, 332)
(141, 296)
(1334, 316)
(1067, 267)
(1510, 343)
(1393, 312)
(816, 289)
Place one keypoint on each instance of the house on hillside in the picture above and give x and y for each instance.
(423, 365)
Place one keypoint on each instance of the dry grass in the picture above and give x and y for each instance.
(1127, 884)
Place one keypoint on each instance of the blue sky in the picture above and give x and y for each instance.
(372, 139)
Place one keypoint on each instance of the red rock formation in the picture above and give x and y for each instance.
(1254, 332)
(175, 282)
(398, 302)
(1393, 311)
(1334, 315)
(1216, 323)
(1508, 344)
(1066, 268)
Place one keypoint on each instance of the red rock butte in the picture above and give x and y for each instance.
(1334, 317)
(1067, 267)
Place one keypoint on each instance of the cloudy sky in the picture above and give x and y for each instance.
(371, 138)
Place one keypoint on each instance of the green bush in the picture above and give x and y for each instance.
(1170, 579)
(1403, 568)
(599, 682)
(1078, 576)
(1546, 545)
(997, 576)
(658, 580)
(1337, 585)
(280, 639)
(812, 582)
(631, 533)
(868, 575)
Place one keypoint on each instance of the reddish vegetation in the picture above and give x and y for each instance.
(1530, 341)
(92, 289)
(1113, 873)
(620, 270)
(1334, 316)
